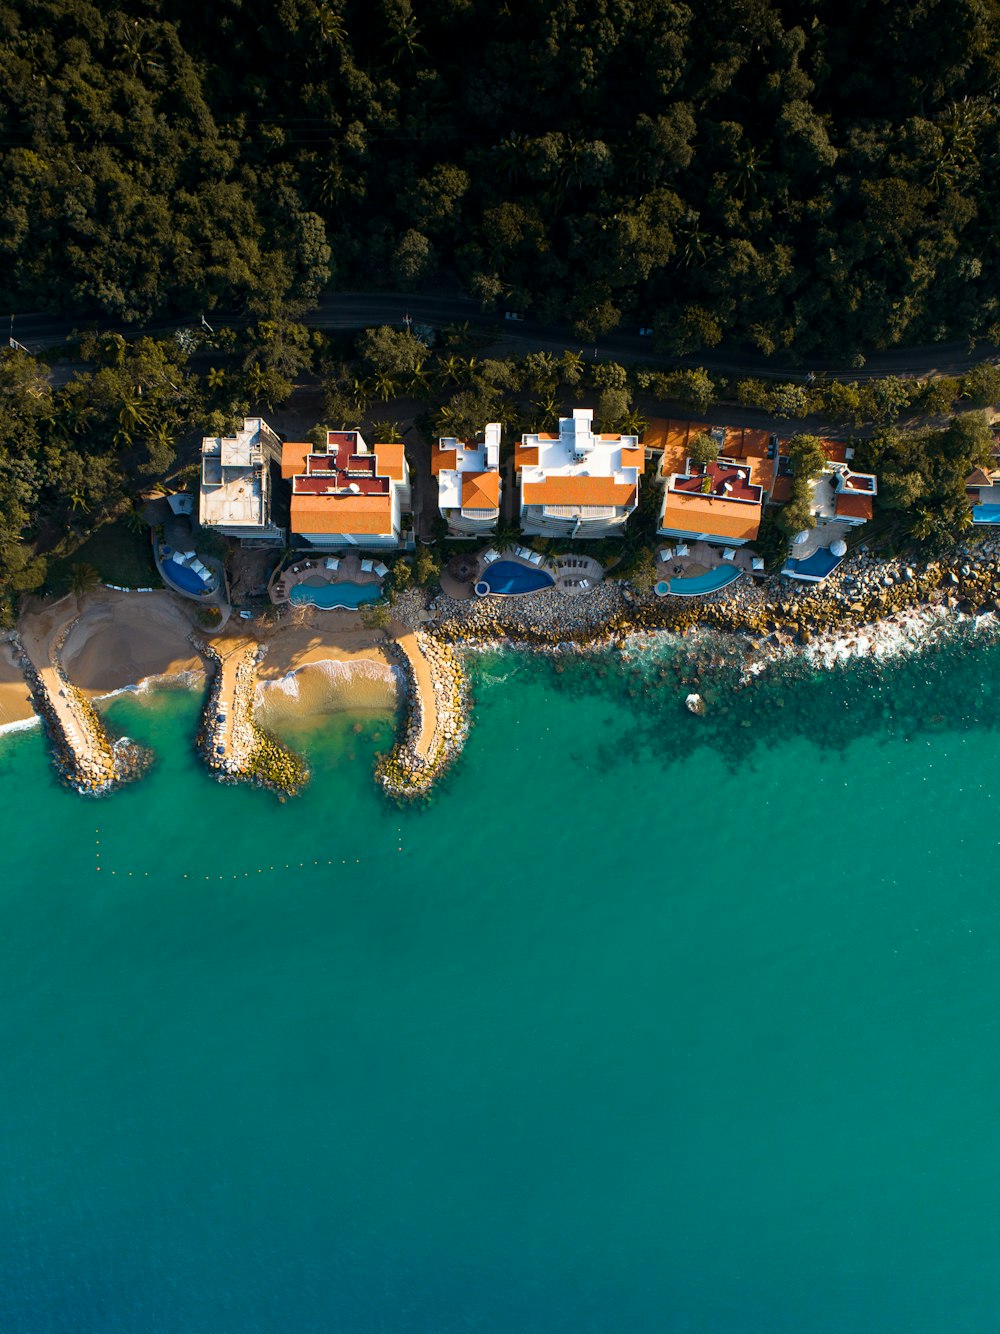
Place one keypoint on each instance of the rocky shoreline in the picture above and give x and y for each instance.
(237, 749)
(405, 774)
(99, 764)
(870, 605)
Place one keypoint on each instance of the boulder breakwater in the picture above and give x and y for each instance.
(867, 594)
(437, 718)
(86, 757)
(234, 746)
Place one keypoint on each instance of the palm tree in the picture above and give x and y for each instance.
(748, 172)
(509, 158)
(506, 533)
(384, 386)
(216, 378)
(571, 364)
(549, 409)
(134, 521)
(404, 42)
(633, 423)
(420, 380)
(332, 28)
(84, 579)
(258, 385)
(386, 433)
(361, 392)
(449, 369)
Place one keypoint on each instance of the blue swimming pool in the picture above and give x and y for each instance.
(508, 578)
(331, 596)
(184, 577)
(814, 567)
(697, 584)
(986, 514)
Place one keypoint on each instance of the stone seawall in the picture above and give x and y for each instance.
(866, 590)
(85, 755)
(435, 729)
(233, 745)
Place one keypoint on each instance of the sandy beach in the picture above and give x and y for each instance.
(123, 639)
(324, 661)
(15, 701)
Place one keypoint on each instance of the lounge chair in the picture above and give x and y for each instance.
(667, 554)
(584, 583)
(367, 566)
(729, 553)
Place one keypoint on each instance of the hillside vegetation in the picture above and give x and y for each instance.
(788, 176)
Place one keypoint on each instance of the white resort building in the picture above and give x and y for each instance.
(349, 494)
(576, 483)
(842, 499)
(469, 483)
(235, 493)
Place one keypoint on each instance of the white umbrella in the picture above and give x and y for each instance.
(799, 538)
(838, 548)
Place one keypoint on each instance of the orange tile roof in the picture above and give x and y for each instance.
(526, 456)
(853, 506)
(634, 458)
(578, 491)
(693, 513)
(390, 460)
(480, 490)
(342, 514)
(761, 470)
(836, 450)
(782, 489)
(655, 432)
(293, 457)
(443, 459)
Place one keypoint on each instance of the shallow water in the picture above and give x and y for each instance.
(649, 1022)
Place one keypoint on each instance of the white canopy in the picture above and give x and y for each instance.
(838, 548)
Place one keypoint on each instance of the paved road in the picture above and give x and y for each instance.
(359, 310)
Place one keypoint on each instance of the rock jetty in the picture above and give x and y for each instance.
(234, 746)
(867, 591)
(86, 757)
(437, 719)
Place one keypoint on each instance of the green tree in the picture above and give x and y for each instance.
(389, 351)
(84, 579)
(703, 449)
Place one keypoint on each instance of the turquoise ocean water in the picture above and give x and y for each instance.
(648, 1023)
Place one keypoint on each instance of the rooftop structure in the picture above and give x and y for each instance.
(576, 483)
(235, 493)
(983, 489)
(720, 502)
(841, 500)
(469, 482)
(349, 494)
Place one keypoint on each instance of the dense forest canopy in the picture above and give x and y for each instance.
(785, 175)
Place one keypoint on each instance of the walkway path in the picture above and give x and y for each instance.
(83, 750)
(233, 699)
(407, 641)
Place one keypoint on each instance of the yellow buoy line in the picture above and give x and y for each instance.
(248, 874)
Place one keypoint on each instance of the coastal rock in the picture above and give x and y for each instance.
(695, 704)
